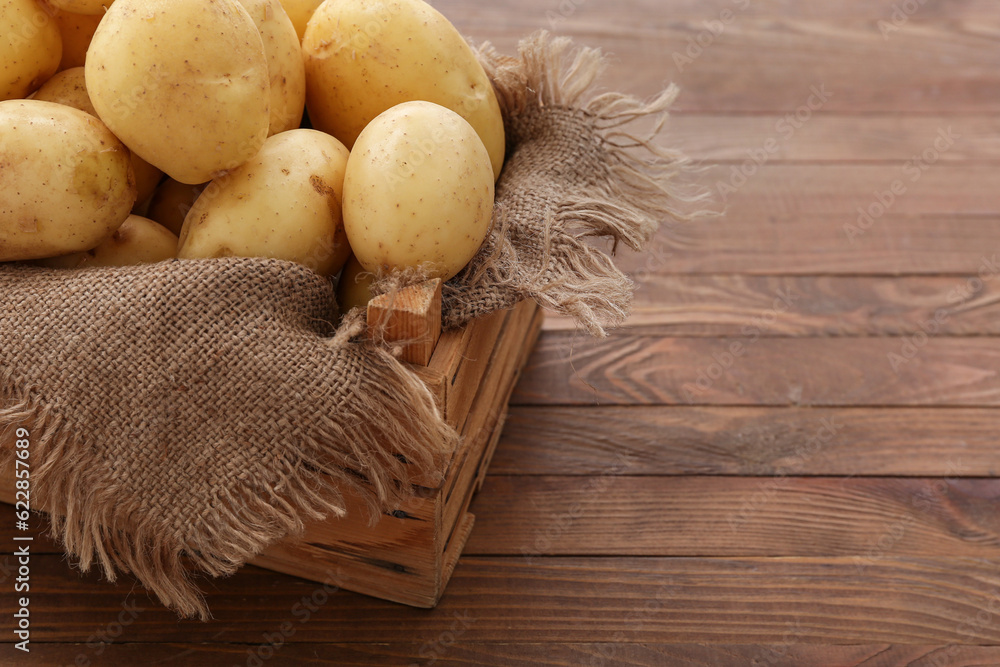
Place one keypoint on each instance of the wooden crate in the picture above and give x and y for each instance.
(410, 554)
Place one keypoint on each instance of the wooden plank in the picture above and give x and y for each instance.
(410, 316)
(461, 359)
(831, 219)
(513, 599)
(489, 410)
(634, 369)
(450, 648)
(641, 12)
(865, 518)
(682, 440)
(727, 138)
(748, 240)
(839, 190)
(769, 63)
(730, 305)
(395, 559)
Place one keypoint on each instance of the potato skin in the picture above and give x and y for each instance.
(77, 30)
(68, 87)
(285, 203)
(171, 202)
(364, 57)
(418, 191)
(300, 11)
(85, 7)
(30, 48)
(285, 68)
(67, 180)
(183, 83)
(354, 289)
(137, 241)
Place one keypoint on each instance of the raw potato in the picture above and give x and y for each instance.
(30, 48)
(77, 30)
(284, 63)
(68, 87)
(300, 11)
(285, 203)
(92, 7)
(418, 191)
(364, 57)
(183, 82)
(354, 289)
(138, 241)
(171, 202)
(67, 181)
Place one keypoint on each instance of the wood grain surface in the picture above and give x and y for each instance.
(790, 455)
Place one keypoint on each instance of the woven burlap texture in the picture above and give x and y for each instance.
(185, 415)
(573, 172)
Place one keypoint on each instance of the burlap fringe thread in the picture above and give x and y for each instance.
(634, 187)
(393, 414)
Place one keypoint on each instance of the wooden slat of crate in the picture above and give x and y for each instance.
(409, 555)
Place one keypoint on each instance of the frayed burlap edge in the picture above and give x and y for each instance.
(646, 185)
(390, 425)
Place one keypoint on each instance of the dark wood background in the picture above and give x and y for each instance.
(826, 496)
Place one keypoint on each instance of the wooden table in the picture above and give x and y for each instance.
(790, 454)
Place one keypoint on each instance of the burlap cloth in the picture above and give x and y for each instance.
(185, 415)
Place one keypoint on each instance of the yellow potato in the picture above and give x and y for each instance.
(354, 289)
(171, 202)
(67, 181)
(418, 191)
(30, 48)
(284, 203)
(300, 11)
(77, 30)
(365, 57)
(91, 7)
(284, 63)
(68, 87)
(183, 83)
(138, 241)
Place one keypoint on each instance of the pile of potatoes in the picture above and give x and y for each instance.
(347, 135)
